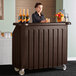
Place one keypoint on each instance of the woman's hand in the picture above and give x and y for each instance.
(45, 21)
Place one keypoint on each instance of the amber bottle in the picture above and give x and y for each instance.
(23, 17)
(20, 17)
(27, 16)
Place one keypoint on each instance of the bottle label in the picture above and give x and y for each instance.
(27, 18)
(23, 19)
(20, 19)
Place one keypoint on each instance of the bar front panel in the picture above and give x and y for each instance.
(41, 46)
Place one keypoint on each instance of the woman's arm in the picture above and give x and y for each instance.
(36, 20)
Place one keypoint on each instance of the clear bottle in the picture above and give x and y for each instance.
(67, 18)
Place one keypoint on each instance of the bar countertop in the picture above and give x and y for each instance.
(43, 24)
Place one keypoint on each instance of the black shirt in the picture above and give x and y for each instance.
(36, 18)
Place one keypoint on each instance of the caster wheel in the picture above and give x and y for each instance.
(16, 69)
(64, 67)
(22, 72)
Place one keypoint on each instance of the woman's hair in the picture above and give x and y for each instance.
(37, 4)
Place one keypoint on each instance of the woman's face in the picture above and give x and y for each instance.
(39, 8)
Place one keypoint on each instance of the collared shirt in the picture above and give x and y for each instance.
(36, 18)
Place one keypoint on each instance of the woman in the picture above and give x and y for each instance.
(38, 17)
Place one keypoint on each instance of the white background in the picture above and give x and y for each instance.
(70, 8)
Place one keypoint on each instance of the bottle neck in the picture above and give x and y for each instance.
(23, 12)
(20, 13)
(27, 13)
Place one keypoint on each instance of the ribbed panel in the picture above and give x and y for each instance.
(37, 48)
(46, 48)
(16, 48)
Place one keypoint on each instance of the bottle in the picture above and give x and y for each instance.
(20, 17)
(64, 19)
(67, 18)
(23, 17)
(27, 16)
